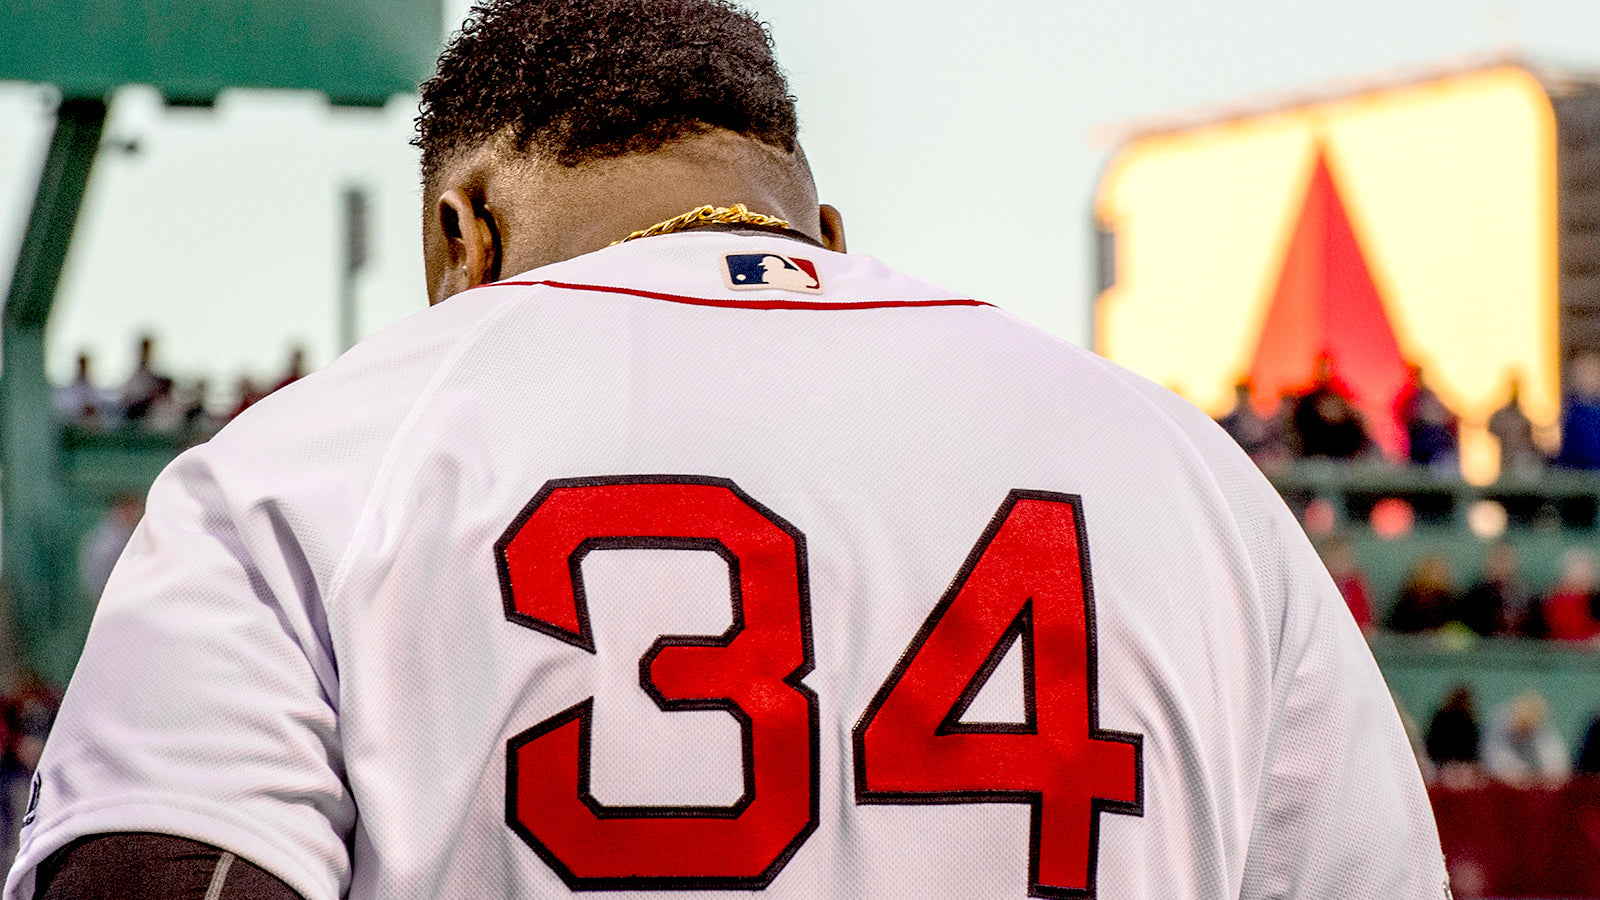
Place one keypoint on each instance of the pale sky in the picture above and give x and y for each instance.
(963, 142)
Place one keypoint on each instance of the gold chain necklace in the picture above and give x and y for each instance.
(736, 214)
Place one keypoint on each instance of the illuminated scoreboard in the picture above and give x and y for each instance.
(1452, 223)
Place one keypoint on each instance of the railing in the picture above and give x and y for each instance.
(96, 465)
(1551, 497)
(1422, 669)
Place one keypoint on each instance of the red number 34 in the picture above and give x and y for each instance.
(1025, 583)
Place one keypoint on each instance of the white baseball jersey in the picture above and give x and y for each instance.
(718, 561)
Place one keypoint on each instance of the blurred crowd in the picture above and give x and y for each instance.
(1497, 602)
(1322, 422)
(1519, 746)
(149, 401)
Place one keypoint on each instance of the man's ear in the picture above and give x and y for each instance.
(471, 244)
(832, 228)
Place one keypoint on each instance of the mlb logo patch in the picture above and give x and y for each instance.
(748, 271)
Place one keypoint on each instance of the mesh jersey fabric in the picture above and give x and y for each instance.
(306, 655)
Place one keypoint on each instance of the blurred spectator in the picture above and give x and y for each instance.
(199, 424)
(297, 368)
(1427, 600)
(1430, 427)
(1500, 603)
(160, 412)
(28, 711)
(1522, 747)
(1453, 735)
(1520, 457)
(1580, 415)
(1588, 759)
(1324, 422)
(1569, 607)
(1260, 437)
(1339, 555)
(249, 394)
(194, 405)
(80, 403)
(1406, 399)
(139, 391)
(103, 546)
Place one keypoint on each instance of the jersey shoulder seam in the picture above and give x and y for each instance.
(388, 462)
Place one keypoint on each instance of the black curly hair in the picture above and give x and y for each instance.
(580, 80)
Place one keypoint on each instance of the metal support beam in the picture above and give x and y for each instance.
(31, 494)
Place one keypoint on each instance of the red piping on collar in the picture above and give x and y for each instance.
(735, 304)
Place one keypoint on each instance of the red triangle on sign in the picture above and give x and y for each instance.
(1326, 304)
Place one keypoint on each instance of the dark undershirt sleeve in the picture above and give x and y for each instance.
(150, 866)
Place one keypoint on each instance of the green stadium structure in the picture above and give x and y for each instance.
(357, 52)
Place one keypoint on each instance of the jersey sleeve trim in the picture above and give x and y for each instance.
(153, 866)
(737, 304)
(208, 823)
